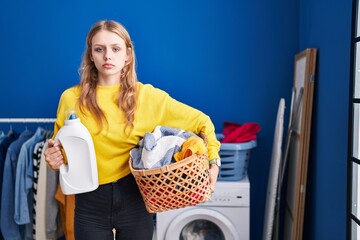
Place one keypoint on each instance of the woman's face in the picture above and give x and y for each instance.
(109, 54)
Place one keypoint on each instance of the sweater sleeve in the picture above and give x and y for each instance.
(170, 112)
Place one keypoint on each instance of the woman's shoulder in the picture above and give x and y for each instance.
(71, 92)
(147, 88)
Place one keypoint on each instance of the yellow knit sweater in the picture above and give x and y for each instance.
(155, 107)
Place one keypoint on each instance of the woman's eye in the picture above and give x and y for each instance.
(98, 49)
(116, 49)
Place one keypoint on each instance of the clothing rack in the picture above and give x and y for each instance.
(27, 120)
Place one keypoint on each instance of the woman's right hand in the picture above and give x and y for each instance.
(53, 155)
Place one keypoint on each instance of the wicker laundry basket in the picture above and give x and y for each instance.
(180, 184)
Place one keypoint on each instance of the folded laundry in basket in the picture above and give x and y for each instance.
(157, 149)
(237, 133)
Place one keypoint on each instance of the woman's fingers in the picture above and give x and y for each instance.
(53, 155)
(213, 173)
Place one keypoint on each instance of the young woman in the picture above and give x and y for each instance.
(118, 111)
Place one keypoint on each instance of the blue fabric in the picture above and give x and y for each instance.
(5, 143)
(2, 136)
(10, 230)
(24, 192)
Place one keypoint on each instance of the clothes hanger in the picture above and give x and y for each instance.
(10, 132)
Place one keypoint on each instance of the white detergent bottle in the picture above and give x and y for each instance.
(79, 172)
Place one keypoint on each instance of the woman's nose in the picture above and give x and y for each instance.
(107, 55)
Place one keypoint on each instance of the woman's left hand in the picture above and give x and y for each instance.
(213, 173)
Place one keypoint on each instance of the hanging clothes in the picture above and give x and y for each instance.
(9, 228)
(28, 209)
(6, 140)
(36, 166)
(24, 183)
(67, 210)
(47, 213)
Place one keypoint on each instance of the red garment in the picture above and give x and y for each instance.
(237, 133)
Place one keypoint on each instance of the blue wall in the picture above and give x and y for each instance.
(231, 59)
(327, 26)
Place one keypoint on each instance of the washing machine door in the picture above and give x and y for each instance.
(201, 223)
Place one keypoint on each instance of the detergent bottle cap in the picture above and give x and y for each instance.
(70, 115)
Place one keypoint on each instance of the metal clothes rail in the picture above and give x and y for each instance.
(27, 120)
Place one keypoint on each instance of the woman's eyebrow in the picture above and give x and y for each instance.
(102, 45)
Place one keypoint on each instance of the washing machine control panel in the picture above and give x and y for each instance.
(230, 194)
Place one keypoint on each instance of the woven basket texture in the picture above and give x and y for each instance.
(178, 185)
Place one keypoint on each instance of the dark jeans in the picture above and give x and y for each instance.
(116, 205)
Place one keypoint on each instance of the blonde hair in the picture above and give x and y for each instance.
(89, 77)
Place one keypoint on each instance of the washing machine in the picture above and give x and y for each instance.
(226, 216)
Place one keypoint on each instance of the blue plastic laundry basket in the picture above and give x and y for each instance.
(234, 160)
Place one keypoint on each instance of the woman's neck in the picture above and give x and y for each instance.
(109, 80)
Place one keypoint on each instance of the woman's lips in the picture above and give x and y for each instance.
(108, 65)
